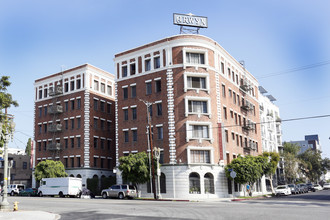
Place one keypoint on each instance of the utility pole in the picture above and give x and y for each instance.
(151, 158)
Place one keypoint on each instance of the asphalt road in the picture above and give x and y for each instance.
(309, 206)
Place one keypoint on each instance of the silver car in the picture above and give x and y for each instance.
(119, 191)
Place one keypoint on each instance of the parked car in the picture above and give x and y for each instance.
(326, 186)
(14, 189)
(119, 191)
(310, 187)
(317, 187)
(28, 192)
(303, 188)
(294, 188)
(282, 190)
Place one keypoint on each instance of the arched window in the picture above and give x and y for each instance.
(95, 177)
(162, 183)
(78, 176)
(71, 175)
(209, 183)
(194, 183)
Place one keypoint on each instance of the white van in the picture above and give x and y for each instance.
(14, 189)
(61, 186)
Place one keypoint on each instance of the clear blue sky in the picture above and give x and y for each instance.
(38, 37)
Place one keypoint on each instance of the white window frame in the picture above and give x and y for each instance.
(210, 149)
(193, 74)
(194, 50)
(189, 132)
(195, 98)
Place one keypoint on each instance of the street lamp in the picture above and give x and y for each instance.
(4, 204)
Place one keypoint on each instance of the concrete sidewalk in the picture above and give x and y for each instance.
(29, 215)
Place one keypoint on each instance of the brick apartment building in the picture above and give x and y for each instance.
(74, 121)
(204, 114)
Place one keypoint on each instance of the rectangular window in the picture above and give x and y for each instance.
(78, 103)
(232, 136)
(66, 124)
(230, 93)
(95, 123)
(200, 156)
(78, 162)
(233, 76)
(102, 162)
(66, 106)
(133, 91)
(195, 58)
(223, 90)
(96, 85)
(108, 108)
(125, 93)
(108, 144)
(238, 102)
(225, 112)
(126, 136)
(156, 62)
(102, 87)
(226, 134)
(134, 134)
(147, 65)
(196, 82)
(72, 124)
(40, 129)
(222, 68)
(102, 106)
(45, 128)
(72, 142)
(39, 146)
(237, 140)
(45, 109)
(158, 85)
(40, 94)
(78, 142)
(66, 143)
(108, 125)
(95, 142)
(45, 145)
(134, 115)
(159, 109)
(40, 112)
(95, 161)
(102, 143)
(96, 103)
(72, 104)
(45, 93)
(148, 88)
(197, 106)
(199, 131)
(78, 83)
(132, 68)
(124, 71)
(229, 73)
(160, 133)
(66, 87)
(71, 85)
(125, 114)
(24, 165)
(66, 162)
(78, 123)
(102, 125)
(109, 90)
(234, 97)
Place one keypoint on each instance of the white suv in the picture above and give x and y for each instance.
(15, 188)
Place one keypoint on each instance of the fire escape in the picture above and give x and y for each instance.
(247, 125)
(55, 128)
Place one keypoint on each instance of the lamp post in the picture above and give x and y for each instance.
(157, 156)
(4, 204)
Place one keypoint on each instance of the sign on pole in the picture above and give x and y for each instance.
(233, 174)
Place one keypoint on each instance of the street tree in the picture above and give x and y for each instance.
(49, 169)
(248, 169)
(290, 152)
(311, 164)
(6, 101)
(134, 168)
(28, 147)
(270, 170)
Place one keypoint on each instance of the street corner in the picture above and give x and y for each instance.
(27, 215)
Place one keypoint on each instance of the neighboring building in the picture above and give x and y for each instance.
(271, 131)
(310, 142)
(20, 171)
(16, 151)
(205, 113)
(74, 121)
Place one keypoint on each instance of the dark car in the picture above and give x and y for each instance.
(310, 187)
(28, 192)
(294, 188)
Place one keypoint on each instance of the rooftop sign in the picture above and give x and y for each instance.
(190, 20)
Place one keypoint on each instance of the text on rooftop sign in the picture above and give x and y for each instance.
(190, 20)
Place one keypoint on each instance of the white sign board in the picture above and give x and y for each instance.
(190, 20)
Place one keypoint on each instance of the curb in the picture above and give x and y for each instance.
(236, 200)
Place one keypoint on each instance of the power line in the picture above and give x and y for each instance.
(311, 66)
